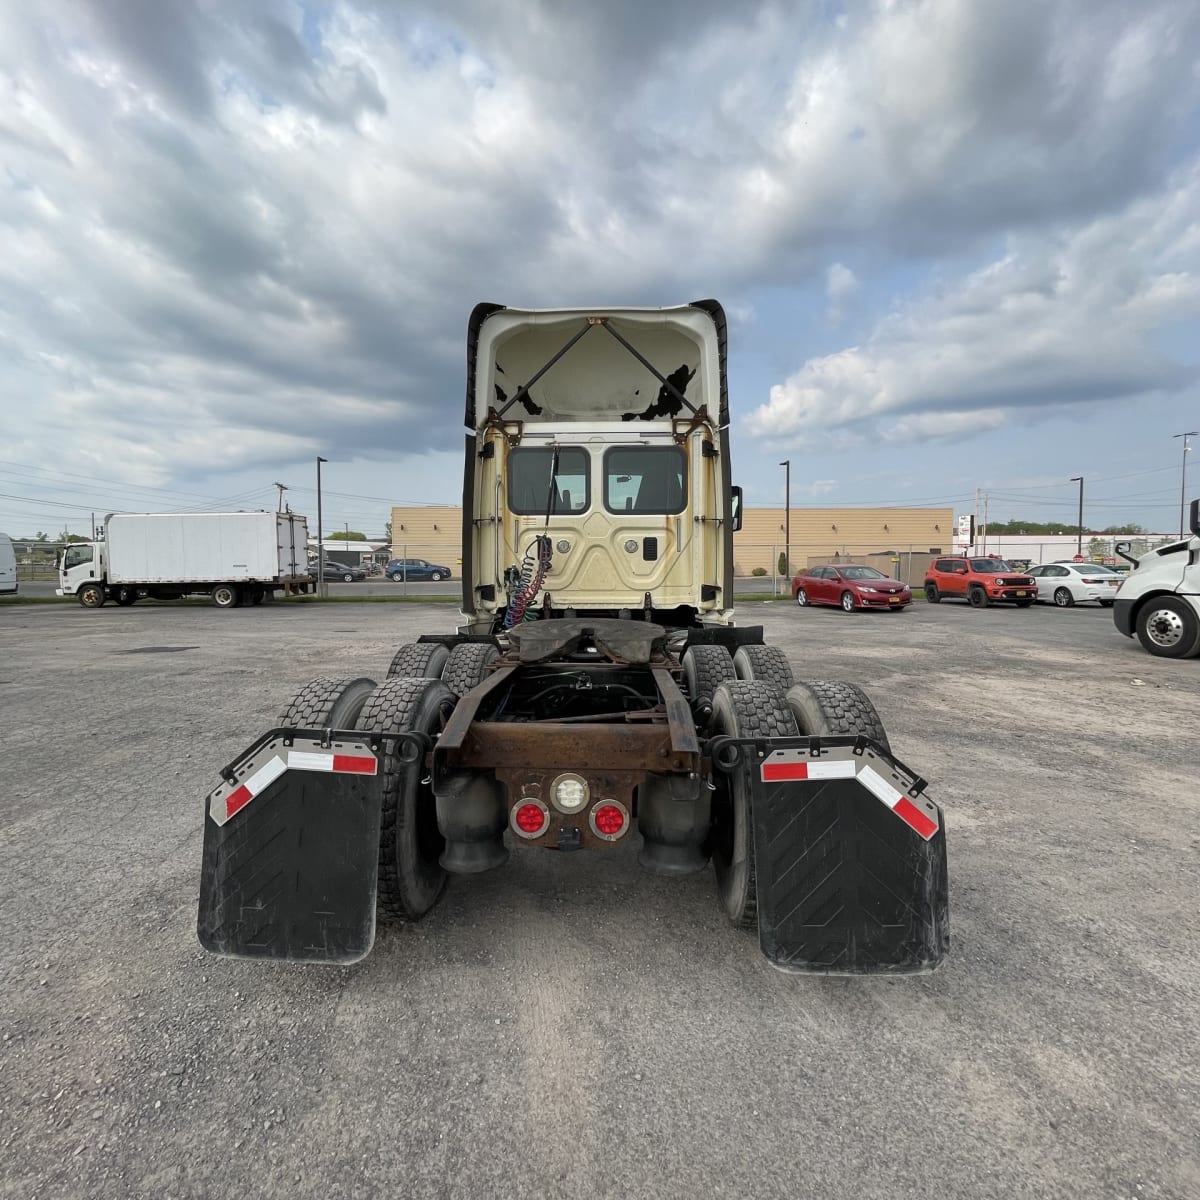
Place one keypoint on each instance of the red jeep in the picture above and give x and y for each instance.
(981, 581)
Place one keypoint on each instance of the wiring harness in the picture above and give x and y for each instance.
(534, 566)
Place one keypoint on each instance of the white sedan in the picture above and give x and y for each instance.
(1066, 584)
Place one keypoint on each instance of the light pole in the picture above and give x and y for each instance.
(320, 534)
(1191, 433)
(787, 515)
(1079, 543)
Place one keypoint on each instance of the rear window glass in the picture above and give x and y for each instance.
(530, 487)
(645, 479)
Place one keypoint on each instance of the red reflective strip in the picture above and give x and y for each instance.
(237, 800)
(354, 764)
(778, 772)
(912, 816)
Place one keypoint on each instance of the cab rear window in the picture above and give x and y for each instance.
(645, 479)
(531, 490)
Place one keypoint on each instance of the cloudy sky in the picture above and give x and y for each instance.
(959, 242)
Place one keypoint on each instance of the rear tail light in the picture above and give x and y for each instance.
(609, 820)
(530, 819)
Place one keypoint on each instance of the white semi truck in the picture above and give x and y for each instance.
(1158, 602)
(234, 558)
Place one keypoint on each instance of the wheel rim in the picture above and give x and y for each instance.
(224, 597)
(1164, 628)
(802, 597)
(91, 597)
(847, 601)
(1062, 598)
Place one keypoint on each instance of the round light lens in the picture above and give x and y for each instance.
(530, 818)
(562, 545)
(608, 819)
(570, 793)
(631, 546)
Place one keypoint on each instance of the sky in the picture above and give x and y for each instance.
(958, 242)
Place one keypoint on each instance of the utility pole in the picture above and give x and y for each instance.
(282, 488)
(787, 514)
(1191, 433)
(985, 515)
(1079, 542)
(971, 547)
(320, 534)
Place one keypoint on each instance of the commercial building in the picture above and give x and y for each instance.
(894, 539)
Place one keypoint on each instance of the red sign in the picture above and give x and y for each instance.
(1078, 558)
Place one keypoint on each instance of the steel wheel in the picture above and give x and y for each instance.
(1168, 628)
(91, 595)
(225, 595)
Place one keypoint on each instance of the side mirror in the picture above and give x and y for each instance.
(735, 508)
(1122, 547)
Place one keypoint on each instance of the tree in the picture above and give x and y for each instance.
(783, 563)
(347, 535)
(1130, 528)
(387, 530)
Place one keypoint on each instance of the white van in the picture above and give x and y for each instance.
(8, 567)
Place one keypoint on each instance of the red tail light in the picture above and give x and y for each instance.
(609, 820)
(530, 818)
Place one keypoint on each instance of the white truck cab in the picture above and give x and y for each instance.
(8, 567)
(80, 562)
(1158, 602)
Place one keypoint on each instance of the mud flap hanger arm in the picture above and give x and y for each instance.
(410, 747)
(523, 391)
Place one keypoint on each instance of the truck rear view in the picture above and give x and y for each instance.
(598, 692)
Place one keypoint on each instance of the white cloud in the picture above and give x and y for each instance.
(1057, 321)
(231, 233)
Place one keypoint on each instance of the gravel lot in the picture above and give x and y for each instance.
(570, 1026)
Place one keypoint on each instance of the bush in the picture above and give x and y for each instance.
(783, 564)
(759, 572)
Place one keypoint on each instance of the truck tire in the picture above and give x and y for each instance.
(126, 596)
(411, 877)
(932, 595)
(822, 707)
(1167, 628)
(327, 704)
(705, 668)
(226, 595)
(978, 598)
(767, 663)
(419, 660)
(92, 595)
(741, 708)
(467, 665)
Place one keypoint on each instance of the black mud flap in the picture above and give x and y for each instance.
(291, 849)
(850, 856)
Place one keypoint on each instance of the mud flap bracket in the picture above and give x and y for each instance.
(850, 855)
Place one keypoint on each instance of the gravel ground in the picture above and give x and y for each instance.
(570, 1026)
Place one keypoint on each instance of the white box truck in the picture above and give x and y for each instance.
(234, 558)
(1158, 602)
(8, 567)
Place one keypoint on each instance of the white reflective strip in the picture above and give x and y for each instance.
(305, 760)
(264, 775)
(830, 769)
(874, 782)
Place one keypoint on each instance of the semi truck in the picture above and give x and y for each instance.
(1158, 602)
(233, 558)
(8, 567)
(596, 694)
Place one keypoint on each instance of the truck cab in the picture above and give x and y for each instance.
(81, 562)
(1158, 602)
(597, 466)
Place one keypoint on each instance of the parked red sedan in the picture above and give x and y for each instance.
(851, 587)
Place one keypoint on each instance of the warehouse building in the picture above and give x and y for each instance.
(896, 540)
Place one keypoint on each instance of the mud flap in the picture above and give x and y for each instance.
(850, 856)
(291, 848)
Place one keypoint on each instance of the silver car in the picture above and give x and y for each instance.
(1068, 584)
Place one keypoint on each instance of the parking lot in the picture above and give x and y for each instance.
(569, 1025)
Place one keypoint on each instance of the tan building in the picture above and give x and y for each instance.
(896, 540)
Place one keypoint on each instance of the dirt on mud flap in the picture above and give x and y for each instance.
(850, 856)
(291, 847)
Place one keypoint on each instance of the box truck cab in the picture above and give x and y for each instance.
(8, 567)
(1158, 602)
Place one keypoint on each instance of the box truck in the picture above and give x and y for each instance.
(234, 558)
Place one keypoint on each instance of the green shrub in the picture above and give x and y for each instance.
(759, 571)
